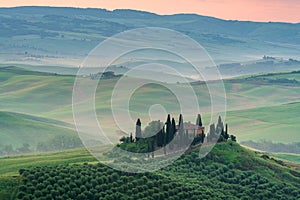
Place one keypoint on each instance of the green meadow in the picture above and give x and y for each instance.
(35, 106)
(275, 123)
(17, 129)
(9, 166)
(293, 158)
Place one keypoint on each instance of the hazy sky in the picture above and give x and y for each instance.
(254, 10)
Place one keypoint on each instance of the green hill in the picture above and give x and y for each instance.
(50, 96)
(10, 165)
(19, 129)
(273, 123)
(33, 92)
(228, 172)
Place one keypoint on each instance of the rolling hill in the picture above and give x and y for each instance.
(41, 49)
(229, 171)
(259, 101)
(19, 129)
(47, 35)
(275, 123)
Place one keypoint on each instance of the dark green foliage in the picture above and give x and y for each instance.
(173, 129)
(181, 131)
(197, 140)
(131, 138)
(8, 188)
(168, 129)
(21, 171)
(153, 136)
(202, 136)
(226, 132)
(180, 121)
(199, 120)
(233, 138)
(138, 130)
(160, 137)
(228, 172)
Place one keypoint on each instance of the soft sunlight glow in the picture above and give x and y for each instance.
(253, 10)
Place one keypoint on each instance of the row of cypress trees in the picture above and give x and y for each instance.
(159, 135)
(166, 133)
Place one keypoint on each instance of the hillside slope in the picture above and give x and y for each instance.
(19, 129)
(228, 172)
(274, 123)
(27, 92)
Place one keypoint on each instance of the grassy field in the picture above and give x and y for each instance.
(9, 166)
(293, 158)
(17, 129)
(28, 92)
(274, 123)
(255, 109)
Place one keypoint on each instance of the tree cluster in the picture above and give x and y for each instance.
(157, 134)
(219, 133)
(169, 136)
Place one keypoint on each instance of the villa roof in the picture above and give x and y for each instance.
(189, 126)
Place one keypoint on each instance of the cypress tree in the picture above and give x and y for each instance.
(222, 136)
(199, 120)
(138, 130)
(172, 133)
(173, 129)
(226, 132)
(180, 119)
(168, 129)
(220, 126)
(131, 138)
(202, 136)
(226, 128)
(164, 140)
(181, 130)
(160, 136)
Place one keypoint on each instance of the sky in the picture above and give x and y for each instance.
(252, 10)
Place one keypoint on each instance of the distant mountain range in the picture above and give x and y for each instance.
(49, 34)
(271, 31)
